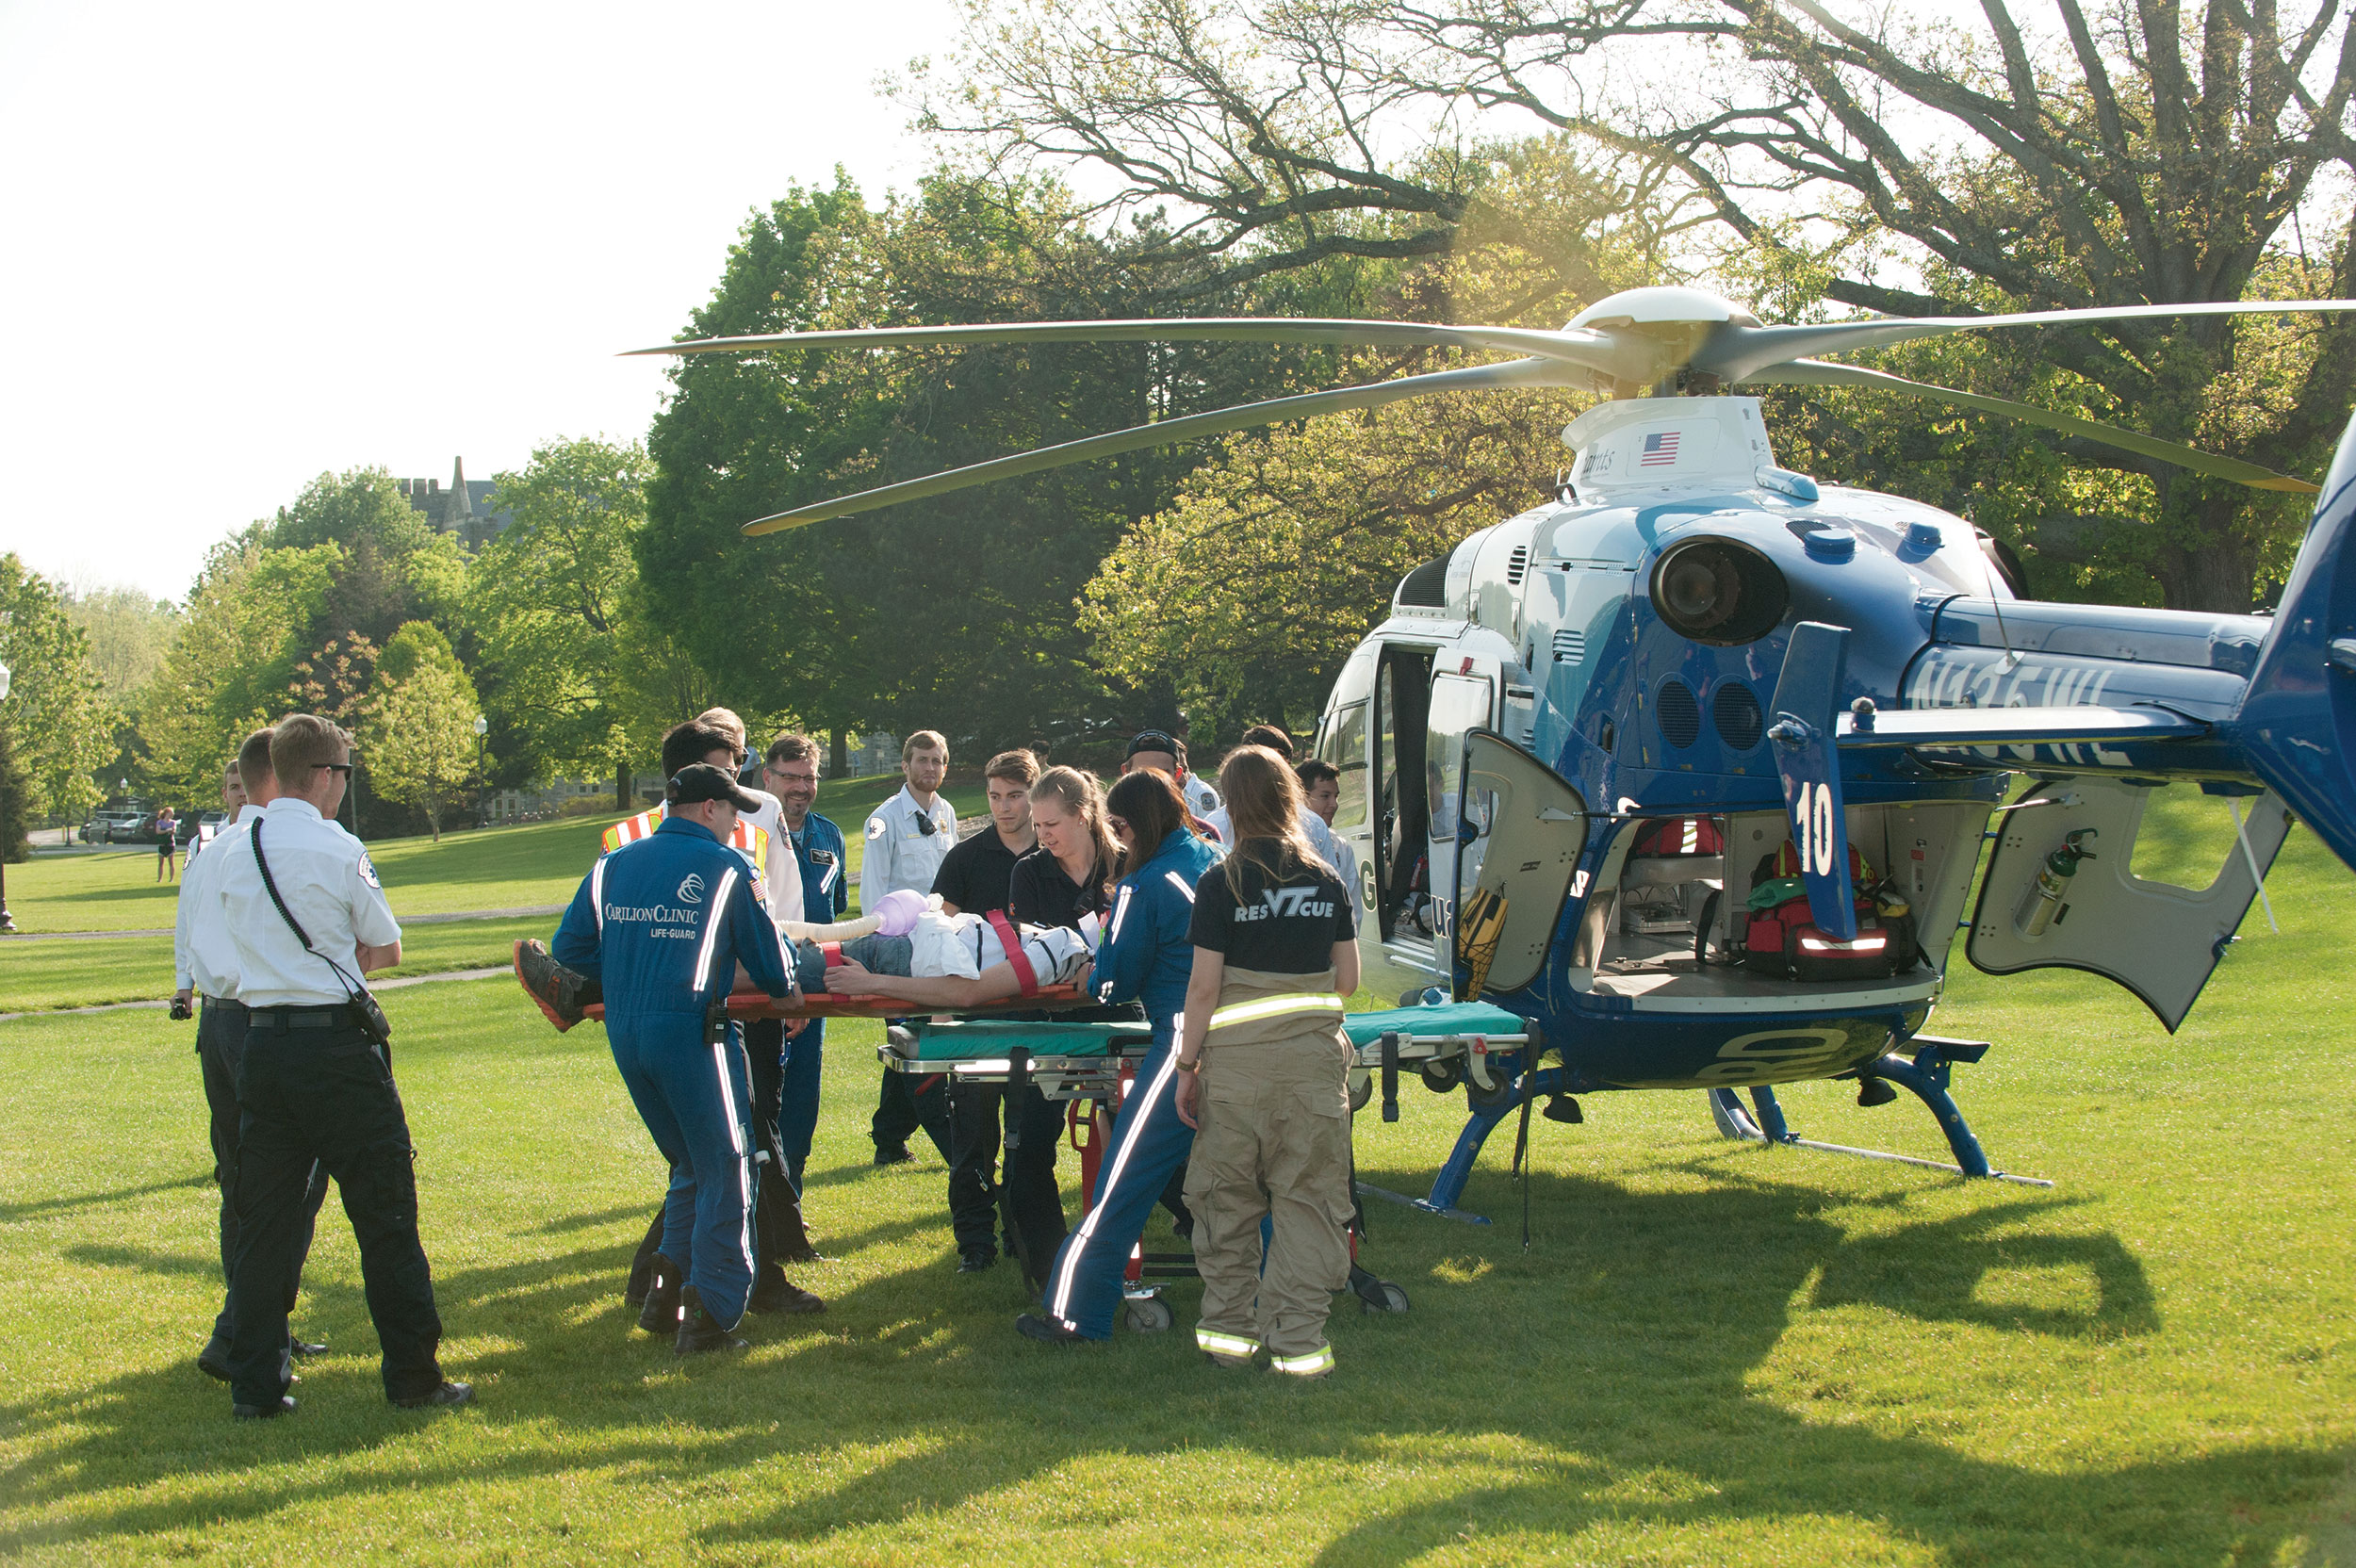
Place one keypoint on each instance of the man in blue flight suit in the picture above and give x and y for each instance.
(790, 771)
(662, 924)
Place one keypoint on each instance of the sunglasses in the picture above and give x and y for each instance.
(339, 767)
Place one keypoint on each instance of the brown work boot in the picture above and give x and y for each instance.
(563, 995)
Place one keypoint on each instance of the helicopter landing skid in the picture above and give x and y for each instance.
(1925, 1076)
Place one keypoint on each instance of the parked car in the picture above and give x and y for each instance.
(114, 824)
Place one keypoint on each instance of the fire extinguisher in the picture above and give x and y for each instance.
(2051, 885)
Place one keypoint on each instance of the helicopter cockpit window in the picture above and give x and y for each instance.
(1345, 747)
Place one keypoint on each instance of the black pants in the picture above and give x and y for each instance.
(1034, 1126)
(325, 1096)
(908, 1102)
(219, 1044)
(778, 1233)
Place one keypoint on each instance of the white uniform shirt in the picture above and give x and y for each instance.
(961, 946)
(782, 872)
(203, 957)
(1199, 795)
(1331, 850)
(900, 853)
(324, 875)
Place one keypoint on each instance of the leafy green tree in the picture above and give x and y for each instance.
(393, 568)
(554, 605)
(418, 728)
(955, 613)
(243, 632)
(15, 795)
(130, 631)
(57, 714)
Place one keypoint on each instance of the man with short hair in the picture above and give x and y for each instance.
(791, 772)
(976, 879)
(907, 838)
(206, 962)
(663, 924)
(315, 1083)
(1165, 752)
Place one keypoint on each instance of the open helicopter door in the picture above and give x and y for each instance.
(2060, 892)
(1525, 830)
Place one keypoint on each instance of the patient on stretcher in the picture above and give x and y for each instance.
(945, 961)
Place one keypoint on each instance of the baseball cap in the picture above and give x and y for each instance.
(1153, 740)
(701, 781)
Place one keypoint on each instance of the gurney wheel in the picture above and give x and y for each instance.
(1361, 1092)
(1394, 1299)
(1148, 1315)
(1441, 1074)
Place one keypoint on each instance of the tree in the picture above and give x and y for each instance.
(418, 732)
(129, 631)
(232, 666)
(391, 568)
(60, 723)
(554, 603)
(956, 613)
(2136, 157)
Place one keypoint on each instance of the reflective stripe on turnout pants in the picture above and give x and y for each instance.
(692, 1095)
(1273, 1142)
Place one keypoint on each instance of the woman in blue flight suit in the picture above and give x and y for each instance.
(1146, 956)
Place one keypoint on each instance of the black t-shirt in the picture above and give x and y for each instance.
(1043, 896)
(976, 875)
(1288, 924)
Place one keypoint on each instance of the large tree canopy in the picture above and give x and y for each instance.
(954, 613)
(56, 715)
(2142, 154)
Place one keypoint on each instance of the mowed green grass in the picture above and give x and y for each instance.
(499, 868)
(1711, 1353)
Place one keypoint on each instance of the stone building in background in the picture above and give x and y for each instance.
(465, 509)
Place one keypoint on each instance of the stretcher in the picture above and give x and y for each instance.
(1089, 1066)
(743, 1007)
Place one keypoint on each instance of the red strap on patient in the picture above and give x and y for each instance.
(1011, 940)
(832, 953)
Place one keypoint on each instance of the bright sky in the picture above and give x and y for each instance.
(250, 244)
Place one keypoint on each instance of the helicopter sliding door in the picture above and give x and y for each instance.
(1460, 703)
(2158, 939)
(1395, 911)
(1525, 828)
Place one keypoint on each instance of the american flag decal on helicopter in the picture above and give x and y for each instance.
(1660, 449)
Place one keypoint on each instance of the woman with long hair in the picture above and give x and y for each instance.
(1264, 1077)
(1145, 956)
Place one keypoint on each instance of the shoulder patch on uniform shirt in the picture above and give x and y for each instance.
(368, 871)
(876, 827)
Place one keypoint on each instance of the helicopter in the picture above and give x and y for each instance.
(1693, 766)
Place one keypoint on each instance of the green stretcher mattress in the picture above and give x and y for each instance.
(990, 1037)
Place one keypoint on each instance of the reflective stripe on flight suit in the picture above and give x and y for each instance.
(746, 839)
(1274, 1007)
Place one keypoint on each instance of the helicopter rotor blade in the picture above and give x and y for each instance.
(1479, 377)
(1600, 351)
(1809, 372)
(1736, 354)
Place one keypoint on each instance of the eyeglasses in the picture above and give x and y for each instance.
(784, 777)
(339, 767)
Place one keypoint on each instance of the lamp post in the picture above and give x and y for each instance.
(482, 727)
(8, 920)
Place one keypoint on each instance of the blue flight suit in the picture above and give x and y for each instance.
(1145, 958)
(826, 897)
(662, 924)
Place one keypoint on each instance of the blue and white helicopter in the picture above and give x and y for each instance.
(1692, 767)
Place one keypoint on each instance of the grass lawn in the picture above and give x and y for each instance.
(1712, 1355)
(500, 868)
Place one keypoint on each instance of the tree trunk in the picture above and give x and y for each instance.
(839, 762)
(2207, 561)
(621, 786)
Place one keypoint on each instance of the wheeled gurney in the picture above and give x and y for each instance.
(1088, 1066)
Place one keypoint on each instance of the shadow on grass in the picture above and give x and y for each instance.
(1625, 1349)
(39, 1207)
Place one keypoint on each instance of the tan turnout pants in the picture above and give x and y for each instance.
(1273, 1141)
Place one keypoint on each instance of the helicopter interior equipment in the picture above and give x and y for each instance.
(1699, 702)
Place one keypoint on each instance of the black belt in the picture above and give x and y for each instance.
(325, 1015)
(227, 1005)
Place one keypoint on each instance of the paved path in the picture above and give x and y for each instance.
(405, 919)
(374, 986)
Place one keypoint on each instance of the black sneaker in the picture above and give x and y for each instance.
(977, 1262)
(559, 992)
(304, 1349)
(1048, 1330)
(444, 1393)
(659, 1316)
(893, 1153)
(264, 1413)
(213, 1360)
(699, 1332)
(779, 1295)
